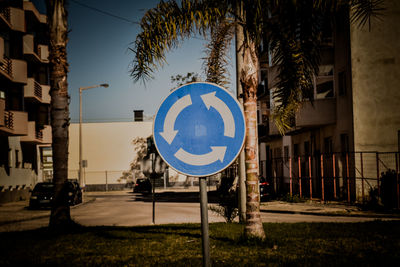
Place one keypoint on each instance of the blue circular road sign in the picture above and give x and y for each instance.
(199, 129)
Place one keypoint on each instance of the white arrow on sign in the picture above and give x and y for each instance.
(217, 153)
(169, 133)
(210, 100)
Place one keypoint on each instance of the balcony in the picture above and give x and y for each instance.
(322, 112)
(37, 136)
(2, 111)
(1, 49)
(33, 52)
(12, 18)
(37, 92)
(14, 70)
(33, 14)
(15, 123)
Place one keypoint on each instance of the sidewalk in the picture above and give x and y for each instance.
(322, 209)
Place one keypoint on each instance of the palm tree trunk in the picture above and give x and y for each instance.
(58, 29)
(249, 81)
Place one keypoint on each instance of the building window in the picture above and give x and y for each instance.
(306, 148)
(344, 143)
(17, 159)
(2, 95)
(278, 152)
(295, 150)
(398, 140)
(342, 83)
(328, 145)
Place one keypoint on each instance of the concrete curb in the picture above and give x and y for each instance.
(337, 214)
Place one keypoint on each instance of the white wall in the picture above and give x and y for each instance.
(106, 147)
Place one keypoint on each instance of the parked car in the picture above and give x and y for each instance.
(43, 193)
(265, 188)
(142, 185)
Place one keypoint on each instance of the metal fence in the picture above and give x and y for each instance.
(110, 180)
(352, 176)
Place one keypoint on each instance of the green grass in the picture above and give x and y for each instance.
(303, 244)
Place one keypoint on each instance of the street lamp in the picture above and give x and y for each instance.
(80, 126)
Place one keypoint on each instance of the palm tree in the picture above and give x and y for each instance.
(58, 30)
(293, 32)
(162, 28)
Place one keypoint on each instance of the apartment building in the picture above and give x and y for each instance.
(25, 132)
(342, 141)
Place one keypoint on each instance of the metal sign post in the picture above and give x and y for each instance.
(153, 175)
(199, 130)
(204, 221)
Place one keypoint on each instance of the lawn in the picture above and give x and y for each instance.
(306, 244)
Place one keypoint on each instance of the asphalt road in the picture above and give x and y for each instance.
(129, 209)
(126, 209)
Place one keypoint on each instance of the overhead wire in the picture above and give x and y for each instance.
(117, 16)
(105, 12)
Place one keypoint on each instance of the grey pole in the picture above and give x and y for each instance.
(152, 175)
(204, 221)
(80, 127)
(80, 176)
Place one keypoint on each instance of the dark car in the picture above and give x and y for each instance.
(43, 193)
(142, 185)
(265, 188)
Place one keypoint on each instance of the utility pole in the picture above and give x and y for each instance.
(239, 45)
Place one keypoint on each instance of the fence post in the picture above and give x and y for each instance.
(348, 177)
(334, 175)
(300, 177)
(322, 177)
(397, 180)
(275, 180)
(290, 175)
(309, 171)
(377, 174)
(362, 175)
(106, 182)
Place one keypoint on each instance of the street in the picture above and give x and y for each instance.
(124, 208)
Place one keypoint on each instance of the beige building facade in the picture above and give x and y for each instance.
(341, 142)
(107, 148)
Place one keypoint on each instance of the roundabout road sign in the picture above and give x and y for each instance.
(199, 129)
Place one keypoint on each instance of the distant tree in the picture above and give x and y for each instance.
(140, 149)
(180, 80)
(58, 32)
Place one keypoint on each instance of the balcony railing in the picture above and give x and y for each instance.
(6, 66)
(39, 134)
(37, 90)
(2, 111)
(13, 17)
(5, 12)
(9, 120)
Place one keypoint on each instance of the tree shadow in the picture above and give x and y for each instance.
(177, 197)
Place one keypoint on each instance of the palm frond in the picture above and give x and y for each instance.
(216, 61)
(294, 37)
(163, 27)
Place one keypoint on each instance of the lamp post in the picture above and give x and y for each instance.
(80, 126)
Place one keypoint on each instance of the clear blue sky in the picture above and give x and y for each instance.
(98, 53)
